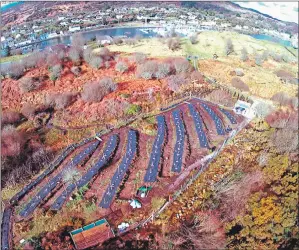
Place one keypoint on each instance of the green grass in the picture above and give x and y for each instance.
(12, 58)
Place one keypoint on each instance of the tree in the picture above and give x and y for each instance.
(121, 67)
(244, 54)
(228, 47)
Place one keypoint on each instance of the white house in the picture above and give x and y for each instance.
(74, 28)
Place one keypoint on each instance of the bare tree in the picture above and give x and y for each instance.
(56, 71)
(96, 62)
(221, 97)
(28, 110)
(16, 70)
(12, 141)
(147, 70)
(10, 117)
(173, 43)
(175, 82)
(182, 66)
(244, 54)
(193, 39)
(138, 58)
(164, 69)
(239, 84)
(228, 47)
(285, 140)
(27, 84)
(95, 91)
(75, 54)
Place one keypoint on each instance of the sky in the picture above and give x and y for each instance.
(285, 11)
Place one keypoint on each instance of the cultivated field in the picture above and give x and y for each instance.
(110, 171)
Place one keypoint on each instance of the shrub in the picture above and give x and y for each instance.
(235, 192)
(173, 43)
(55, 72)
(204, 232)
(10, 117)
(59, 100)
(239, 72)
(197, 76)
(12, 141)
(193, 39)
(27, 84)
(147, 70)
(131, 41)
(175, 82)
(283, 119)
(228, 47)
(52, 59)
(105, 53)
(182, 66)
(28, 111)
(239, 84)
(32, 60)
(282, 98)
(133, 109)
(138, 58)
(107, 65)
(76, 70)
(221, 97)
(121, 67)
(87, 55)
(285, 75)
(244, 55)
(78, 41)
(164, 69)
(276, 57)
(285, 140)
(262, 109)
(117, 41)
(95, 91)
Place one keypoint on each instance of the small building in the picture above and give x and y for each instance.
(244, 108)
(92, 234)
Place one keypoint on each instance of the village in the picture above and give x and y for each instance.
(17, 39)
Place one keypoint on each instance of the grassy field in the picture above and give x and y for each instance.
(209, 42)
(12, 58)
